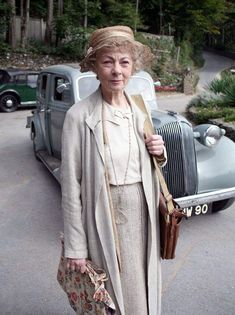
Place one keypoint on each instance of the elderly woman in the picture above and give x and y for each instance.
(109, 191)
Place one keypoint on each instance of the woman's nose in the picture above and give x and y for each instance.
(116, 68)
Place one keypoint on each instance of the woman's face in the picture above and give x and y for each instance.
(113, 68)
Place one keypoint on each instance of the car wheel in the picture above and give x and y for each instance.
(222, 205)
(8, 103)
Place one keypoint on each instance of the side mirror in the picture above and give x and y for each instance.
(64, 86)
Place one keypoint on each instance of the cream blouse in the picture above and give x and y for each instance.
(116, 121)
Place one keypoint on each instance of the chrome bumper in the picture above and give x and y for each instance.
(207, 197)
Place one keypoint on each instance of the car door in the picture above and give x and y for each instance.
(42, 97)
(20, 86)
(58, 104)
(25, 85)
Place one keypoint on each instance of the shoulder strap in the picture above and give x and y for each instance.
(149, 130)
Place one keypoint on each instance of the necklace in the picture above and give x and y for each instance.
(120, 217)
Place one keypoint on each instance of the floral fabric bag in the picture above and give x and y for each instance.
(86, 292)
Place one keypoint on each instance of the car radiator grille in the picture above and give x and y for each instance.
(180, 172)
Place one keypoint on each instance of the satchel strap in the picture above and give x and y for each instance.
(149, 130)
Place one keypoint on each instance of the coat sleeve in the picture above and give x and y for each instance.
(75, 241)
(162, 159)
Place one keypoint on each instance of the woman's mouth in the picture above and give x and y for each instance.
(116, 81)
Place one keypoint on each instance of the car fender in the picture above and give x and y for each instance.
(216, 167)
(11, 92)
(37, 132)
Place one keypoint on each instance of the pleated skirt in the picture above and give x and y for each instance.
(131, 218)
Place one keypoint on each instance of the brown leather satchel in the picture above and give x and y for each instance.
(169, 227)
(170, 214)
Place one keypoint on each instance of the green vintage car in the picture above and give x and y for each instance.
(200, 171)
(17, 89)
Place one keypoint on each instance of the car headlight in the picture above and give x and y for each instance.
(208, 135)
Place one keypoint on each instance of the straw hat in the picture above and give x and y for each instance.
(112, 37)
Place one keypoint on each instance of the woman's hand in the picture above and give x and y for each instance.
(155, 145)
(76, 264)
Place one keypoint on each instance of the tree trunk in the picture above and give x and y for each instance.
(85, 15)
(60, 7)
(25, 4)
(59, 13)
(48, 34)
(12, 24)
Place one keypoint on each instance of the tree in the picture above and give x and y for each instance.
(12, 24)
(185, 17)
(226, 38)
(121, 12)
(24, 13)
(49, 26)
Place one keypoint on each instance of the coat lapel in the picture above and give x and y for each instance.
(94, 121)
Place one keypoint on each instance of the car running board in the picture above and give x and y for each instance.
(52, 163)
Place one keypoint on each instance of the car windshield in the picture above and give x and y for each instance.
(86, 86)
(136, 85)
(142, 86)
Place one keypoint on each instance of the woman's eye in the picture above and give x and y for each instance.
(107, 62)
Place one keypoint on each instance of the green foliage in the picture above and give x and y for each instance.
(121, 13)
(5, 12)
(38, 9)
(171, 62)
(171, 79)
(206, 113)
(4, 48)
(72, 36)
(225, 39)
(37, 47)
(224, 86)
(187, 21)
(74, 44)
(219, 85)
(217, 102)
(186, 52)
(229, 95)
(183, 16)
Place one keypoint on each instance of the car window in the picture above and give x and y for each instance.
(32, 80)
(87, 85)
(43, 86)
(4, 77)
(142, 86)
(65, 95)
(20, 78)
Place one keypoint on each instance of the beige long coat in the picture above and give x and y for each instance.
(87, 222)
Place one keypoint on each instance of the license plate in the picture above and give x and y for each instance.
(197, 210)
